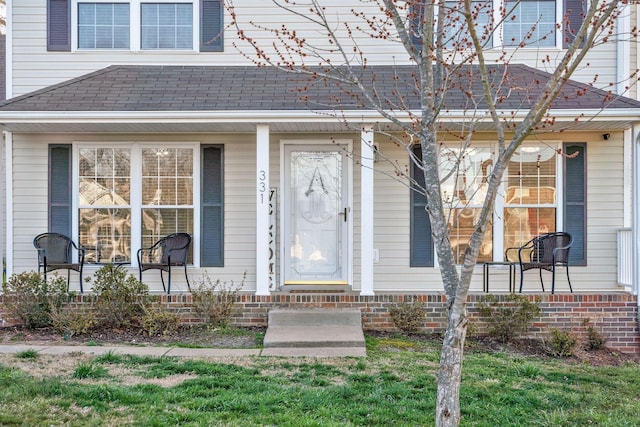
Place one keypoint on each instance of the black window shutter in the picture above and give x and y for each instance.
(211, 26)
(59, 25)
(212, 213)
(416, 15)
(573, 15)
(60, 189)
(421, 243)
(575, 200)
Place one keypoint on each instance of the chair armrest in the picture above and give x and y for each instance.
(42, 255)
(81, 253)
(139, 254)
(150, 249)
(529, 246)
(560, 248)
(506, 252)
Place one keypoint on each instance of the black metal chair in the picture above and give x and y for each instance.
(544, 252)
(55, 252)
(170, 251)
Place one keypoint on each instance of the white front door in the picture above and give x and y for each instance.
(316, 216)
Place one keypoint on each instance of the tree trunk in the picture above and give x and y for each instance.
(450, 372)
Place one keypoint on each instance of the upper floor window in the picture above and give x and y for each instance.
(532, 23)
(103, 26)
(527, 23)
(456, 34)
(166, 26)
(135, 25)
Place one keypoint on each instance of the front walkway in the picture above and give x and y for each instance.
(185, 352)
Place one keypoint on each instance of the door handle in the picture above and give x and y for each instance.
(345, 213)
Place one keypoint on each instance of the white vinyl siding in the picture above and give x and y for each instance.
(30, 37)
(391, 212)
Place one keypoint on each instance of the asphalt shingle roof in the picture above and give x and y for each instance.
(236, 88)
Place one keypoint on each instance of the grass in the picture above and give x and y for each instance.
(28, 354)
(394, 386)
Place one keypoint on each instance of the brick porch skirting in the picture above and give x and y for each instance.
(613, 315)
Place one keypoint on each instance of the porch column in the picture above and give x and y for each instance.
(635, 219)
(262, 210)
(366, 210)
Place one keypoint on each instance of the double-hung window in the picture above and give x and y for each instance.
(103, 26)
(104, 203)
(464, 188)
(166, 26)
(530, 23)
(530, 195)
(167, 193)
(456, 35)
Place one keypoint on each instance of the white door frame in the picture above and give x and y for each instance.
(347, 144)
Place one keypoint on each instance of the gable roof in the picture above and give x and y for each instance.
(150, 90)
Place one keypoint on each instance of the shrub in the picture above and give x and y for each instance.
(562, 343)
(71, 321)
(30, 298)
(408, 316)
(120, 297)
(508, 318)
(157, 320)
(595, 340)
(214, 301)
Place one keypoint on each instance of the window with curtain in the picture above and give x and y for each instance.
(167, 193)
(464, 188)
(104, 203)
(530, 195)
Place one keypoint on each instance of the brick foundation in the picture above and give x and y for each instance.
(614, 315)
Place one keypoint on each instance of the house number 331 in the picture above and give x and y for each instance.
(262, 185)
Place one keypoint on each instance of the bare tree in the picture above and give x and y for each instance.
(3, 16)
(447, 44)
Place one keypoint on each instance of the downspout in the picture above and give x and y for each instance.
(623, 57)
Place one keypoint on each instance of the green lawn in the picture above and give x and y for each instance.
(395, 385)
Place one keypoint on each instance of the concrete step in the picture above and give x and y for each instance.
(314, 328)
